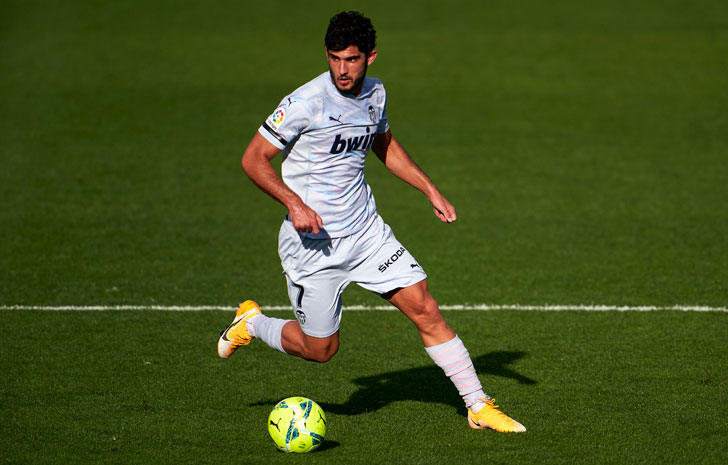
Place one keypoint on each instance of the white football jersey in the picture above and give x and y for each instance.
(325, 136)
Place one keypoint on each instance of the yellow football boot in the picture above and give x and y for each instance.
(236, 334)
(490, 417)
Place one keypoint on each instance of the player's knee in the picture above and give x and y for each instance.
(322, 356)
(427, 309)
(321, 351)
(428, 314)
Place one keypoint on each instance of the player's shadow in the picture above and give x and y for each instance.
(424, 384)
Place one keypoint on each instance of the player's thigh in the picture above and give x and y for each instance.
(316, 302)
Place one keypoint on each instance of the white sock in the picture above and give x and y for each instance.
(454, 359)
(268, 330)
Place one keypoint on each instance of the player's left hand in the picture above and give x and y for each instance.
(443, 209)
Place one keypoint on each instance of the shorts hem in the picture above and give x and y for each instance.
(314, 333)
(404, 283)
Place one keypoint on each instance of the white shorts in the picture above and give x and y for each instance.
(318, 271)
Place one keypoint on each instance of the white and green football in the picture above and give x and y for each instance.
(297, 424)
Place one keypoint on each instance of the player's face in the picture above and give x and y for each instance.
(348, 68)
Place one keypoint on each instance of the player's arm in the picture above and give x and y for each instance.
(257, 165)
(398, 161)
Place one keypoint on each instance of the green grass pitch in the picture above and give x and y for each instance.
(583, 144)
(148, 387)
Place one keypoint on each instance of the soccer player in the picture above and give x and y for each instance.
(332, 235)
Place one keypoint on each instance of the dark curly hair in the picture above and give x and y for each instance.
(350, 28)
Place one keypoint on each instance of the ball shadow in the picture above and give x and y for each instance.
(327, 445)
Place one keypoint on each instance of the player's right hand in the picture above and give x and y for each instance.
(304, 219)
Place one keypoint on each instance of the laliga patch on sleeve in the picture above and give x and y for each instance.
(276, 119)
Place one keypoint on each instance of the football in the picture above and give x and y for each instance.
(297, 424)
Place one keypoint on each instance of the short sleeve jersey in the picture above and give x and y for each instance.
(325, 136)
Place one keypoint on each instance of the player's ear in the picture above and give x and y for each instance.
(370, 58)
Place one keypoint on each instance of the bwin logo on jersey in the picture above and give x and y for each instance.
(395, 256)
(355, 143)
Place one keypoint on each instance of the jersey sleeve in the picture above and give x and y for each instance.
(383, 125)
(290, 119)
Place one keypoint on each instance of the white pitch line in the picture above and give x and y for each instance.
(480, 307)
